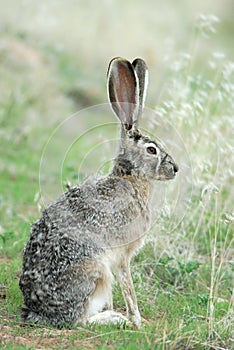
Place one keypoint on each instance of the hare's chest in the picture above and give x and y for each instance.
(119, 255)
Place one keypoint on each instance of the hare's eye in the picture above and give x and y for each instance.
(151, 150)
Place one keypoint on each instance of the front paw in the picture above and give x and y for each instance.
(136, 320)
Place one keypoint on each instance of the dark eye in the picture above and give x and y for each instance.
(151, 150)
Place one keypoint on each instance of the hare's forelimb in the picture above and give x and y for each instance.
(125, 280)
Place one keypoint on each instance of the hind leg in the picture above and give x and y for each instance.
(108, 317)
(101, 298)
(100, 305)
(100, 309)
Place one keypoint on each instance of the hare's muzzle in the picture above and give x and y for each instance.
(168, 168)
(172, 169)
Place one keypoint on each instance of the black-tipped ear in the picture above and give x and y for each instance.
(141, 70)
(123, 91)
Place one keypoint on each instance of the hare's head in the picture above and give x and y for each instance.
(138, 155)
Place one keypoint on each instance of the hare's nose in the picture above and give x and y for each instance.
(176, 168)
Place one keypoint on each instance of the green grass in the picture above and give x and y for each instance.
(184, 275)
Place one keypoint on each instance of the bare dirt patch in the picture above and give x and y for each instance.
(43, 338)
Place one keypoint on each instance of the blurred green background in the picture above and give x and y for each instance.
(41, 36)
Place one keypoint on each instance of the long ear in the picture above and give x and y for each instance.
(142, 75)
(123, 91)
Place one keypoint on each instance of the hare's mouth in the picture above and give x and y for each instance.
(171, 177)
(166, 177)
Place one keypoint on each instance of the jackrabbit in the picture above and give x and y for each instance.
(94, 229)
